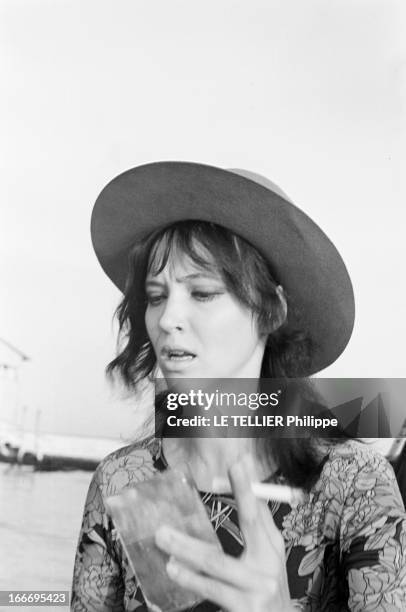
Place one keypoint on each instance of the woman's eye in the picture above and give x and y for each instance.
(154, 300)
(205, 296)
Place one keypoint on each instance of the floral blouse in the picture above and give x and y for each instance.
(345, 543)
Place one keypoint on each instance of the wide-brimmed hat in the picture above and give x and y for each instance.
(304, 261)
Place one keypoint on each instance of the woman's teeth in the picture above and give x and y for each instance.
(180, 356)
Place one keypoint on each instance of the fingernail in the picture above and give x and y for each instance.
(172, 568)
(220, 484)
(163, 535)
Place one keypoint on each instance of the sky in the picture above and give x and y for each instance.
(311, 94)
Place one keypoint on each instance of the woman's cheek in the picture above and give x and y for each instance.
(150, 324)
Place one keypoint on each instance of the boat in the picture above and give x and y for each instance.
(42, 451)
(51, 452)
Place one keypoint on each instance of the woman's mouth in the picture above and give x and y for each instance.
(174, 355)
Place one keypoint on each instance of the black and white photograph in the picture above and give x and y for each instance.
(203, 236)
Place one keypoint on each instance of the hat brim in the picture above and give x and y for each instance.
(305, 262)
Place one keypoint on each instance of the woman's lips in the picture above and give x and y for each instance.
(172, 358)
(175, 352)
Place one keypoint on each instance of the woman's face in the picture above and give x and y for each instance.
(197, 328)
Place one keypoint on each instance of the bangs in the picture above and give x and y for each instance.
(201, 245)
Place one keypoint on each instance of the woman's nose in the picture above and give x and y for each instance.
(173, 315)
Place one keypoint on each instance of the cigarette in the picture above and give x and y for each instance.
(275, 492)
(266, 491)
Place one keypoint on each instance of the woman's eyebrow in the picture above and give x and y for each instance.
(192, 276)
(186, 277)
(153, 283)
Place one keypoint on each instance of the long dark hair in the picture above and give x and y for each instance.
(249, 277)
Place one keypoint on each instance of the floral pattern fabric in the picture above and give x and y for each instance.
(345, 543)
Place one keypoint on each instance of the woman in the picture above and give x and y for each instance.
(223, 277)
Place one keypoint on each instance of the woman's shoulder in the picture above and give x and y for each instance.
(127, 466)
(353, 456)
(354, 468)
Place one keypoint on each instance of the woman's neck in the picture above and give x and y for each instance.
(212, 457)
(209, 458)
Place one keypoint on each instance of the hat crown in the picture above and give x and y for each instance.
(260, 180)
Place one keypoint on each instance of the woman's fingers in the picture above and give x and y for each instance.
(224, 595)
(249, 513)
(257, 580)
(256, 521)
(206, 558)
(264, 596)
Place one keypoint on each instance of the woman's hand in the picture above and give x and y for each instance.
(257, 580)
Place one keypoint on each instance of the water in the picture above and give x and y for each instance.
(40, 517)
